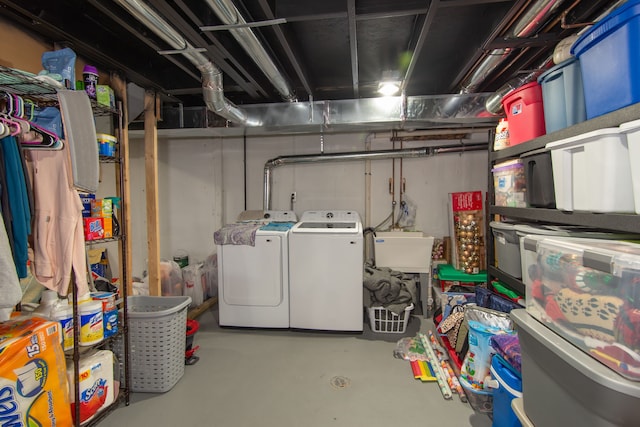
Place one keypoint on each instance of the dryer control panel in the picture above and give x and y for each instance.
(330, 216)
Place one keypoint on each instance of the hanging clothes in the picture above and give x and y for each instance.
(58, 232)
(10, 291)
(5, 209)
(18, 202)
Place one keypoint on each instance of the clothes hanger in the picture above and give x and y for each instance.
(29, 110)
(14, 127)
(4, 131)
(40, 138)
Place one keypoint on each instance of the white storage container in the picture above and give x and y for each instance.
(632, 131)
(591, 172)
(587, 292)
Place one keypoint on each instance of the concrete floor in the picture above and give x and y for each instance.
(249, 377)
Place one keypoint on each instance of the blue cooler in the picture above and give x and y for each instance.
(509, 387)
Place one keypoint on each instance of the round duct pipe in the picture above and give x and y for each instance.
(356, 155)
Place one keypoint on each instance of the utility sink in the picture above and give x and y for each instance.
(406, 251)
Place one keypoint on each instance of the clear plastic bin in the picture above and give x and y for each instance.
(588, 293)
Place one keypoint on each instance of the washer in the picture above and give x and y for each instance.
(325, 264)
(253, 281)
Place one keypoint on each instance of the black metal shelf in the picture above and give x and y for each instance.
(100, 241)
(107, 342)
(613, 119)
(628, 223)
(625, 223)
(109, 159)
(34, 88)
(106, 411)
(512, 282)
(26, 84)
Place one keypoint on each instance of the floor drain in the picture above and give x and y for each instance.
(340, 382)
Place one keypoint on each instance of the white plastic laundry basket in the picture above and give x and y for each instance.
(385, 321)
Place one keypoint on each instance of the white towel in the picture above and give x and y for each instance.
(10, 291)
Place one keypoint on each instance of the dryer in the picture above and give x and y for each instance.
(253, 281)
(326, 271)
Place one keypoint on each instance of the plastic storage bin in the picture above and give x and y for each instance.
(385, 321)
(562, 386)
(609, 54)
(480, 400)
(587, 292)
(563, 95)
(591, 172)
(538, 176)
(509, 184)
(507, 247)
(157, 342)
(525, 113)
(632, 132)
(508, 386)
(529, 235)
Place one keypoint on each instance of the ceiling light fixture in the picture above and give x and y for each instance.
(390, 83)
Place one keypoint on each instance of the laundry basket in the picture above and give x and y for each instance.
(156, 341)
(385, 321)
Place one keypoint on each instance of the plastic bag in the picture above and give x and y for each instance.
(407, 217)
(170, 278)
(50, 119)
(483, 324)
(410, 348)
(62, 62)
(210, 271)
(193, 280)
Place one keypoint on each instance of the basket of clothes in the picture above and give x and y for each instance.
(386, 321)
(391, 298)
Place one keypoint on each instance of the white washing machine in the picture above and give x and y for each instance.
(326, 264)
(253, 281)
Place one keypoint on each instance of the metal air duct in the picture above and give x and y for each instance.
(494, 102)
(356, 155)
(213, 91)
(230, 15)
(535, 16)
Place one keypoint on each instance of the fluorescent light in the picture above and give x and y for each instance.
(388, 88)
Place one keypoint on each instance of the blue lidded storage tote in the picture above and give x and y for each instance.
(609, 55)
(563, 95)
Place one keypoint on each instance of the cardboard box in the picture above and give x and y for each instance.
(105, 96)
(93, 228)
(86, 204)
(107, 223)
(102, 208)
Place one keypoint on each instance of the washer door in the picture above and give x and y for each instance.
(252, 275)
